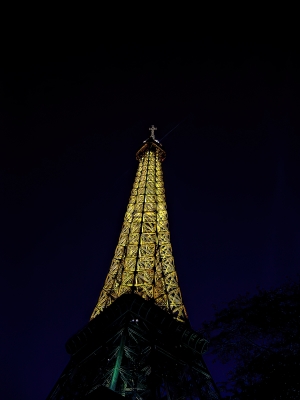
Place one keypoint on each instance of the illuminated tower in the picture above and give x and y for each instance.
(139, 343)
(143, 261)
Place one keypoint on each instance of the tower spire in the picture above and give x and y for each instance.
(152, 129)
(143, 262)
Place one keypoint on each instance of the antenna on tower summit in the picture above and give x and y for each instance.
(152, 129)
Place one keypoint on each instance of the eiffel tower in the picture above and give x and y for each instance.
(139, 343)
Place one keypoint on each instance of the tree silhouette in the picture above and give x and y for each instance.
(260, 336)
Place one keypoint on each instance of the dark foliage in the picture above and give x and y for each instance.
(260, 336)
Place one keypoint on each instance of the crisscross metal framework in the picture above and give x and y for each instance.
(143, 262)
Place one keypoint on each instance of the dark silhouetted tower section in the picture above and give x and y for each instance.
(139, 343)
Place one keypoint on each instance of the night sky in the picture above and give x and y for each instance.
(75, 108)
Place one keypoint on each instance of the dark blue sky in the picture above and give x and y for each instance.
(73, 114)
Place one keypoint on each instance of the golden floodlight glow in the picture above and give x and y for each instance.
(143, 262)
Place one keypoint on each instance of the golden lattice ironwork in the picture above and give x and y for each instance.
(143, 262)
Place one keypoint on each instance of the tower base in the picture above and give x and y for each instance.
(138, 351)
